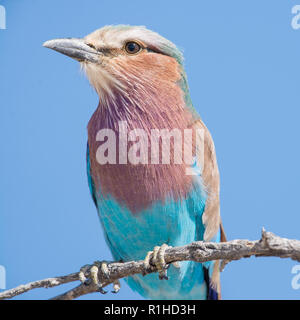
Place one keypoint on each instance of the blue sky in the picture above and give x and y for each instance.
(242, 62)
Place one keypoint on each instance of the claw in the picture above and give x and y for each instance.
(158, 258)
(82, 276)
(101, 290)
(117, 286)
(147, 262)
(104, 269)
(93, 270)
(161, 263)
(94, 274)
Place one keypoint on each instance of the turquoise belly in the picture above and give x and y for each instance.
(175, 223)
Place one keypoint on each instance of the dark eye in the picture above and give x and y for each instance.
(132, 47)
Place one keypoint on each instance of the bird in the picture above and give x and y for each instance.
(145, 200)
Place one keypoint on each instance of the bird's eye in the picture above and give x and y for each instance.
(132, 47)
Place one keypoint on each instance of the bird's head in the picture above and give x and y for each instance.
(123, 58)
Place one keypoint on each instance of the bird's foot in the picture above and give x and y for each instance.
(93, 275)
(157, 256)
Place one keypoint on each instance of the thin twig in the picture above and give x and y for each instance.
(45, 283)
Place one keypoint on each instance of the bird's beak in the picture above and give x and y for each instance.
(74, 48)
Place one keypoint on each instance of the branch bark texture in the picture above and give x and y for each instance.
(269, 245)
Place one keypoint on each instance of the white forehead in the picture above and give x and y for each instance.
(117, 36)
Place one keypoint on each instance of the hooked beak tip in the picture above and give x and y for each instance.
(74, 48)
(47, 44)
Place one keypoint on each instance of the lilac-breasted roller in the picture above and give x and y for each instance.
(143, 200)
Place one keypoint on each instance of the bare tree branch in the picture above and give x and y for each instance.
(269, 245)
(46, 283)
